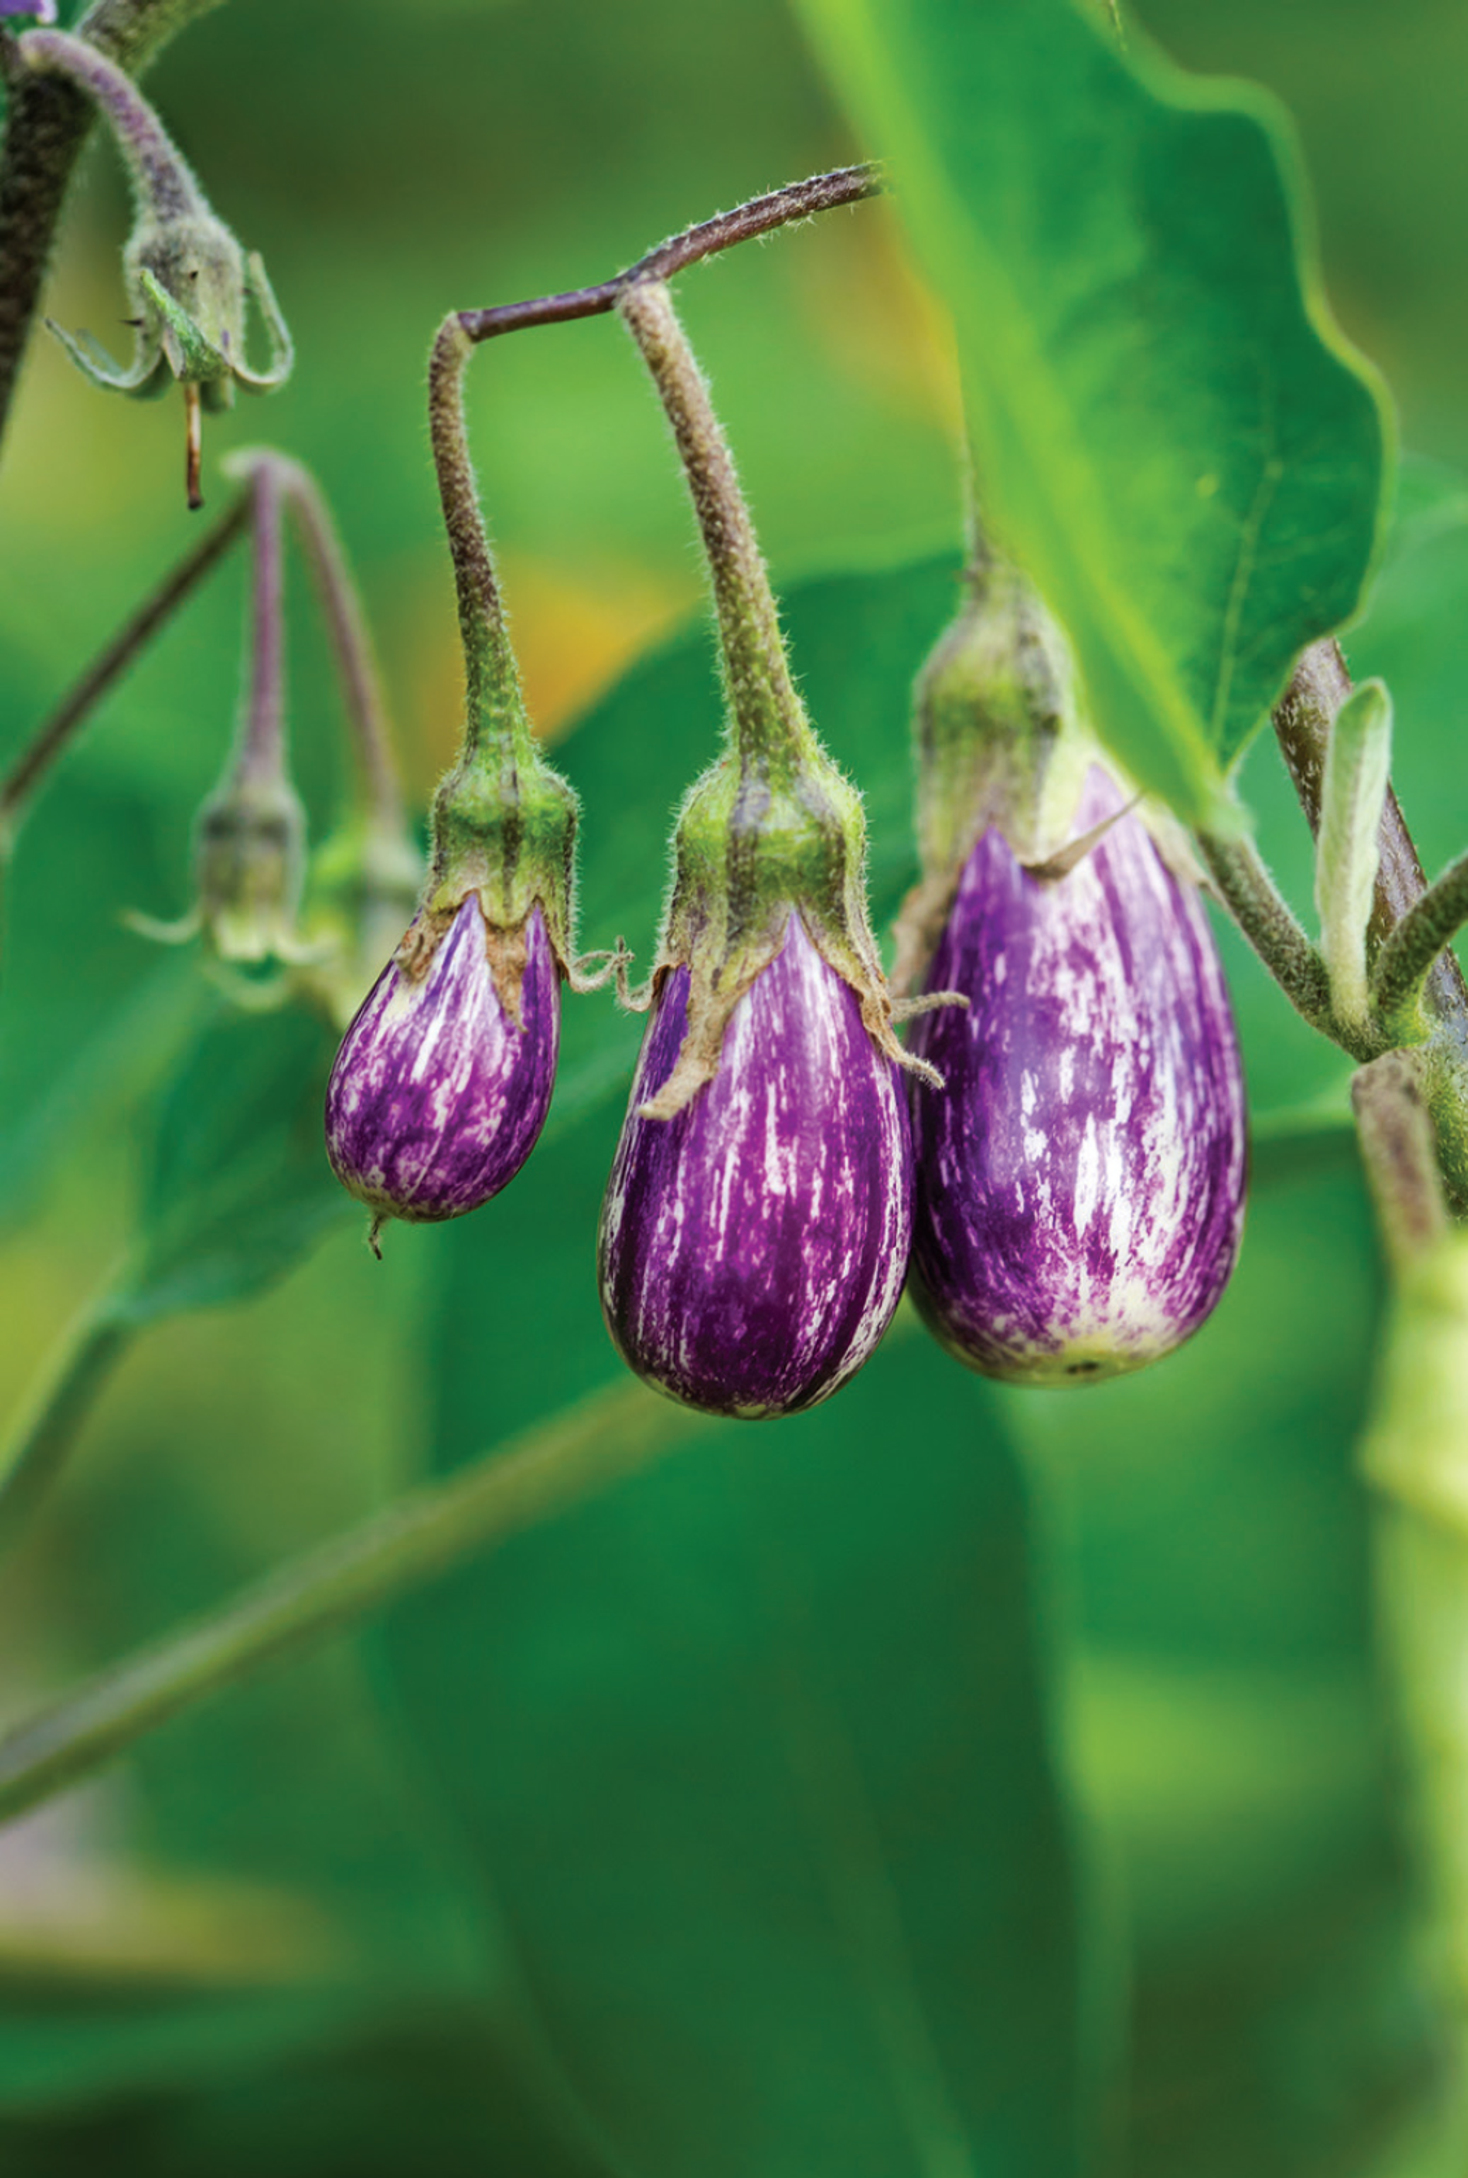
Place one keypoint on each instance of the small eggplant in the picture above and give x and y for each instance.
(438, 1093)
(754, 1243)
(1080, 1179)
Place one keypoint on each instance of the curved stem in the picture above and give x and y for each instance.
(33, 764)
(769, 720)
(1270, 927)
(1411, 953)
(361, 684)
(159, 175)
(262, 746)
(47, 123)
(607, 1436)
(799, 200)
(494, 718)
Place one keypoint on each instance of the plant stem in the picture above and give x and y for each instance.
(40, 1448)
(1267, 922)
(800, 200)
(547, 1469)
(495, 719)
(262, 746)
(1410, 954)
(769, 720)
(1399, 1151)
(382, 792)
(35, 761)
(47, 123)
(1303, 719)
(159, 175)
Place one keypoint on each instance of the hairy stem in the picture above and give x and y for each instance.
(1410, 954)
(40, 1447)
(770, 723)
(47, 122)
(592, 1445)
(1399, 1151)
(800, 200)
(1267, 922)
(31, 767)
(262, 746)
(494, 717)
(158, 175)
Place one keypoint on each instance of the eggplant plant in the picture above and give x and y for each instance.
(1038, 1747)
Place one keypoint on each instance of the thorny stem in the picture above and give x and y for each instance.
(47, 122)
(800, 200)
(539, 1474)
(770, 723)
(35, 761)
(160, 176)
(494, 719)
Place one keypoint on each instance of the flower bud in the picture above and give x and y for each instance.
(753, 1244)
(187, 277)
(444, 1078)
(1080, 1179)
(249, 867)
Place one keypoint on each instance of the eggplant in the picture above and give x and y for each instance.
(438, 1093)
(754, 1243)
(1080, 1178)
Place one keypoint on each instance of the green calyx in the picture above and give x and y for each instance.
(504, 826)
(755, 843)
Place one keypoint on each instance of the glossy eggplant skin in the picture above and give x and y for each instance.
(753, 1247)
(1080, 1179)
(437, 1095)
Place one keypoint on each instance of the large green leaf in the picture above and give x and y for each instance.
(1168, 431)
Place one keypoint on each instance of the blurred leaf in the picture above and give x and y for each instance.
(238, 1188)
(1230, 1707)
(1169, 433)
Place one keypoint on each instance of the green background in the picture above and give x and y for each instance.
(953, 1781)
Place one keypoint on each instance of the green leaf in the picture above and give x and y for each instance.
(1169, 433)
(1357, 768)
(238, 1188)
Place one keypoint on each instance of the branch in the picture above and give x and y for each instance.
(48, 121)
(36, 760)
(585, 1449)
(1399, 1150)
(1407, 961)
(822, 193)
(1265, 918)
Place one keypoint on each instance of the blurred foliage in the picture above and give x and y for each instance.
(833, 1770)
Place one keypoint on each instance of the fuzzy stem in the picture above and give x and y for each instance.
(1410, 955)
(162, 181)
(36, 759)
(47, 122)
(262, 746)
(495, 722)
(586, 1449)
(41, 1446)
(799, 200)
(1399, 1151)
(1267, 922)
(382, 792)
(771, 729)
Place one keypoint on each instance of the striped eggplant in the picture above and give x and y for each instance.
(438, 1093)
(753, 1245)
(1080, 1179)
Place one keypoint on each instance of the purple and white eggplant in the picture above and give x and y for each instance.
(1080, 1179)
(438, 1093)
(753, 1246)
